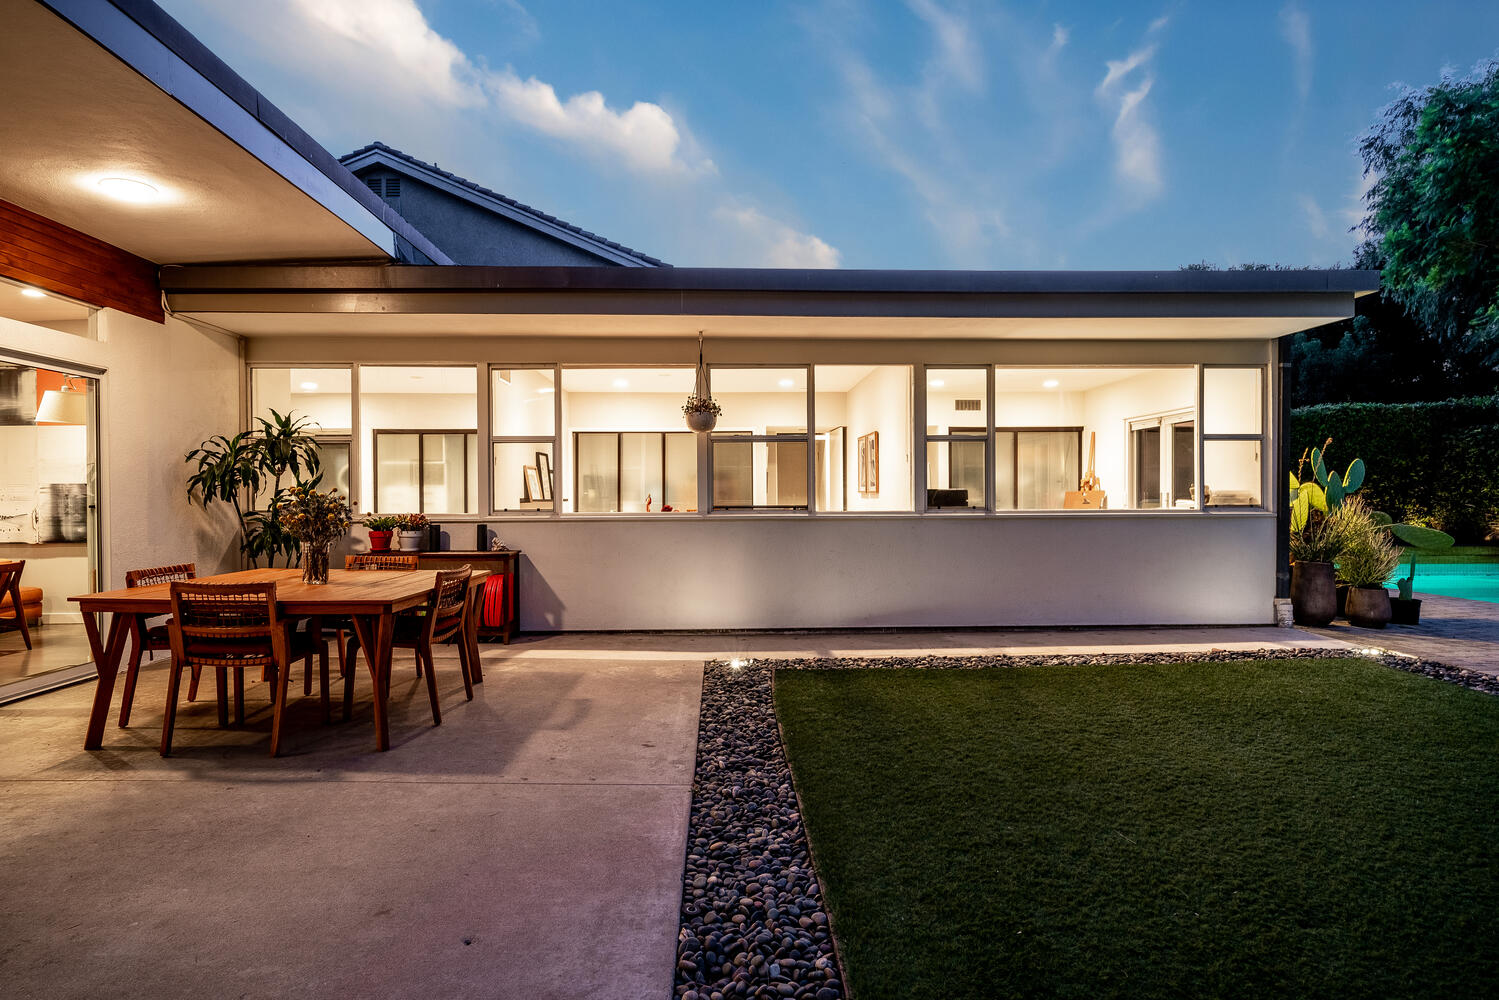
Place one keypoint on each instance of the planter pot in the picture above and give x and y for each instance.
(1314, 598)
(1368, 607)
(409, 541)
(380, 541)
(702, 421)
(1405, 611)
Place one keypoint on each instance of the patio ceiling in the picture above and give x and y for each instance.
(742, 302)
(105, 90)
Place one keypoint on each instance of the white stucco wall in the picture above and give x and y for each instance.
(956, 570)
(165, 388)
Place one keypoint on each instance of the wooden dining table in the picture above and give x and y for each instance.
(370, 598)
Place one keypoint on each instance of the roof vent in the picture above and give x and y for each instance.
(393, 187)
(373, 183)
(974, 405)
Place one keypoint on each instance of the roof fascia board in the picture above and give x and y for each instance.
(132, 43)
(384, 159)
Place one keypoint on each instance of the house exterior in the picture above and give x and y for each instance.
(896, 448)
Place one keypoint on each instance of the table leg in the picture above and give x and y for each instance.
(107, 656)
(375, 635)
(471, 634)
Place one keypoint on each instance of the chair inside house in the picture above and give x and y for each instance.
(234, 627)
(14, 606)
(148, 638)
(440, 619)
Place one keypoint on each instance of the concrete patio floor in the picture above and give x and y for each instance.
(531, 846)
(1454, 631)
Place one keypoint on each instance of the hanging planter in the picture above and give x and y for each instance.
(701, 409)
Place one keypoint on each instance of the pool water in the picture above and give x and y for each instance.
(1474, 581)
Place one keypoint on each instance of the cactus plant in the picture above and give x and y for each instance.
(1415, 538)
(1325, 490)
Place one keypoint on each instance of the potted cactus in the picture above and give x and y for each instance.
(1406, 608)
(1318, 533)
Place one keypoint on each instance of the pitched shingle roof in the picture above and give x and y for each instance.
(484, 192)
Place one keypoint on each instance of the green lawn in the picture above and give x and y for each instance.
(1249, 829)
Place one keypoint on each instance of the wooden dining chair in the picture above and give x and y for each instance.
(440, 619)
(233, 627)
(148, 638)
(10, 587)
(381, 560)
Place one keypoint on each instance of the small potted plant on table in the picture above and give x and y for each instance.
(410, 531)
(381, 527)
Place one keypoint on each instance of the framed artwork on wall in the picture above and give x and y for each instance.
(544, 473)
(869, 463)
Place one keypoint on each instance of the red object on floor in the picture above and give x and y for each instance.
(492, 613)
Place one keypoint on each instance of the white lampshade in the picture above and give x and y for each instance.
(63, 407)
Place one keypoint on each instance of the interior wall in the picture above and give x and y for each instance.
(406, 411)
(1108, 410)
(881, 401)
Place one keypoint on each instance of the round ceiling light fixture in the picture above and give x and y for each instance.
(126, 189)
(33, 293)
(1050, 383)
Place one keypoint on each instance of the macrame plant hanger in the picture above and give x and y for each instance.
(701, 389)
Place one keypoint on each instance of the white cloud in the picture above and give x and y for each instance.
(771, 243)
(1137, 144)
(1316, 220)
(1296, 29)
(958, 55)
(408, 48)
(645, 136)
(1059, 37)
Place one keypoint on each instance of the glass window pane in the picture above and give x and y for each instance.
(955, 474)
(1232, 400)
(445, 473)
(1004, 470)
(785, 473)
(1231, 473)
(957, 400)
(640, 466)
(733, 474)
(597, 464)
(396, 473)
(333, 462)
(680, 491)
(863, 424)
(761, 400)
(522, 402)
(523, 476)
(1184, 464)
(405, 398)
(1047, 466)
(319, 394)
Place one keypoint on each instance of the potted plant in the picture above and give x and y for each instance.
(381, 527)
(702, 412)
(1406, 609)
(410, 531)
(316, 520)
(1318, 533)
(1368, 558)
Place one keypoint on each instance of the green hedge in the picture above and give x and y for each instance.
(1434, 463)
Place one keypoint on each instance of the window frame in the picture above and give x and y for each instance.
(486, 481)
(926, 438)
(421, 462)
(807, 437)
(1267, 490)
(618, 476)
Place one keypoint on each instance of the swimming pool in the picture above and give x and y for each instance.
(1478, 581)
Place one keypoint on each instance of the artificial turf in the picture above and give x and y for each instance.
(1245, 829)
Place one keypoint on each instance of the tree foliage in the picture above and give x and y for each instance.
(1433, 209)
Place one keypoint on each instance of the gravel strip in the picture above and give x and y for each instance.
(753, 921)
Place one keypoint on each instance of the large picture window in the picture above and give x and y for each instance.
(1233, 436)
(427, 472)
(425, 457)
(862, 439)
(523, 406)
(626, 450)
(759, 453)
(957, 438)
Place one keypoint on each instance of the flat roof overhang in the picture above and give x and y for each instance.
(397, 300)
(103, 88)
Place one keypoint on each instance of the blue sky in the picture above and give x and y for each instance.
(916, 134)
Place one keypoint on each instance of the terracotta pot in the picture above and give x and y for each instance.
(380, 541)
(1405, 611)
(1368, 607)
(1314, 598)
(702, 421)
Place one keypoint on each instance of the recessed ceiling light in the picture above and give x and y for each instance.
(621, 383)
(936, 383)
(546, 388)
(125, 189)
(416, 378)
(1050, 383)
(309, 387)
(33, 293)
(786, 383)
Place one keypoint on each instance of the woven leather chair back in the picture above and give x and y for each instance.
(160, 574)
(449, 600)
(226, 625)
(381, 560)
(10, 569)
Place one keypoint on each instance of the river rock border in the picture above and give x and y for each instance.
(753, 923)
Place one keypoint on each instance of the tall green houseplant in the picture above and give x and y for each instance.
(251, 471)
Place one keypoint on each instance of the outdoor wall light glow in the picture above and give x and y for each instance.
(1050, 383)
(125, 189)
(33, 293)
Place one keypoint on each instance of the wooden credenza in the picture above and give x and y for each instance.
(505, 562)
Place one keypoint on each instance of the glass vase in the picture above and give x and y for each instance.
(315, 561)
